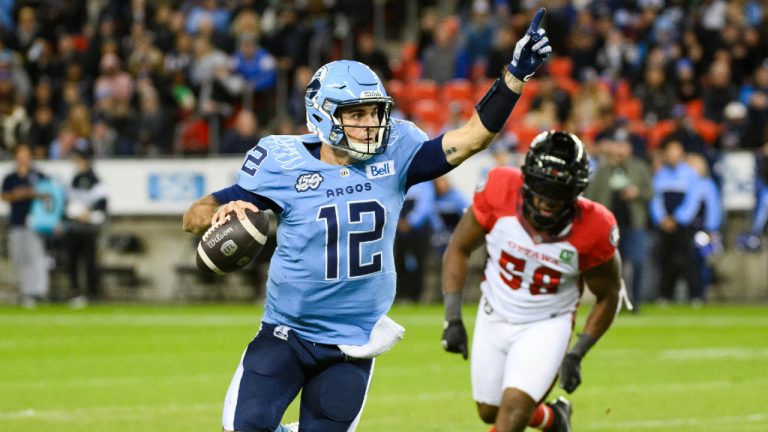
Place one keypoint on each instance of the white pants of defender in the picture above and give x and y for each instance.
(522, 356)
(27, 253)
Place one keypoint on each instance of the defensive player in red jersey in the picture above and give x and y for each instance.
(544, 242)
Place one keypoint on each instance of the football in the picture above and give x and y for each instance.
(232, 243)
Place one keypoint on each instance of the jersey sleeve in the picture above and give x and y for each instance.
(406, 140)
(260, 174)
(601, 235)
(494, 195)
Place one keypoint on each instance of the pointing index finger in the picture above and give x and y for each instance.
(536, 21)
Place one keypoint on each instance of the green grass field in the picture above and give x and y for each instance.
(166, 368)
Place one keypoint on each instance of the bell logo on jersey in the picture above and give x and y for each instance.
(380, 169)
(309, 181)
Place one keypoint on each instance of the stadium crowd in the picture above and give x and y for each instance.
(176, 78)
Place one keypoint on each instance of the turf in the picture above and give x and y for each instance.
(166, 368)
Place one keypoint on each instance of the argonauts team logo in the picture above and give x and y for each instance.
(314, 85)
(308, 181)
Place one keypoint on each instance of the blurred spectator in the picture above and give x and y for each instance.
(686, 82)
(583, 44)
(210, 73)
(590, 100)
(501, 51)
(258, 67)
(672, 209)
(706, 224)
(85, 216)
(719, 91)
(14, 121)
(25, 246)
(154, 136)
(736, 129)
(66, 143)
(623, 185)
(478, 34)
(207, 10)
(412, 242)
(114, 87)
(450, 205)
(13, 75)
(754, 95)
(296, 105)
(289, 43)
(440, 59)
(368, 53)
(145, 59)
(549, 91)
(79, 120)
(760, 220)
(657, 95)
(42, 131)
(617, 55)
(243, 136)
(428, 23)
(103, 138)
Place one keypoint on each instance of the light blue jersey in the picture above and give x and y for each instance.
(333, 274)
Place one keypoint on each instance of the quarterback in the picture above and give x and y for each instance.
(337, 193)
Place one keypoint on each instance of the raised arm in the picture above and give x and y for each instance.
(467, 237)
(495, 107)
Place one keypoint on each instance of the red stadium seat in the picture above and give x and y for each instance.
(422, 89)
(695, 108)
(630, 109)
(560, 67)
(623, 91)
(658, 132)
(396, 89)
(456, 89)
(568, 84)
(707, 129)
(524, 134)
(428, 111)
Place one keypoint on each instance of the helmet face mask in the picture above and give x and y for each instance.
(556, 170)
(337, 87)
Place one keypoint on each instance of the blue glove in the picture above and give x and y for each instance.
(531, 51)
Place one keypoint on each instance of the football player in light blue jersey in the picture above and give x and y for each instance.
(337, 193)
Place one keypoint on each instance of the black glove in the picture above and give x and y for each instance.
(570, 372)
(455, 337)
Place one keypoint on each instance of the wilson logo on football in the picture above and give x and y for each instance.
(309, 181)
(217, 237)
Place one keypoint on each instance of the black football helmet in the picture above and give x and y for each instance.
(556, 168)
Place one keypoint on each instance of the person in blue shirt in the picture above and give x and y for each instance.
(706, 225)
(450, 205)
(673, 207)
(337, 193)
(412, 241)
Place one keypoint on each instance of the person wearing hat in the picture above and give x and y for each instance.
(86, 213)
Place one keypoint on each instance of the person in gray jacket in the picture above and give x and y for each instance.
(623, 183)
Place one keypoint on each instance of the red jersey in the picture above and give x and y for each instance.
(530, 276)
